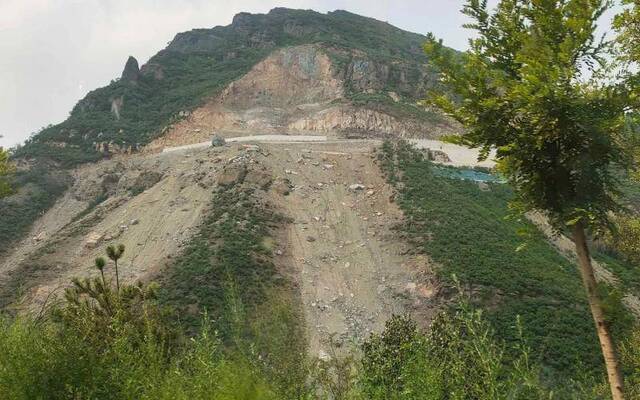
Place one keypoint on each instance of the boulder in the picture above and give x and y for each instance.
(438, 156)
(92, 240)
(232, 174)
(260, 179)
(282, 186)
(217, 141)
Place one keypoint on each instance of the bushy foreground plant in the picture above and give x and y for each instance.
(117, 343)
(457, 359)
(6, 169)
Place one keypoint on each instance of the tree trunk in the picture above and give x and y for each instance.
(117, 277)
(606, 343)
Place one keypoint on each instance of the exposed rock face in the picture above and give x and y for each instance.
(360, 120)
(116, 106)
(131, 72)
(297, 64)
(109, 148)
(291, 76)
(301, 90)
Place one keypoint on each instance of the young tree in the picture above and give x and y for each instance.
(115, 253)
(521, 90)
(100, 263)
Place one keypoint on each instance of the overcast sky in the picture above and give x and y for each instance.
(52, 52)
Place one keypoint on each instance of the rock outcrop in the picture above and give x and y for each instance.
(131, 72)
(354, 120)
(289, 77)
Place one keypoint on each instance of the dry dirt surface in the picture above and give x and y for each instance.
(353, 270)
(153, 206)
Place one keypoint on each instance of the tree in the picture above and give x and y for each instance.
(557, 132)
(6, 169)
(627, 23)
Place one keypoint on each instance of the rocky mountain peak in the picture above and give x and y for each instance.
(131, 71)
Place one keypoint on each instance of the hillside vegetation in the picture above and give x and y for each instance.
(505, 263)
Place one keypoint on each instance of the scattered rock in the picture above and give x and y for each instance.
(356, 186)
(40, 236)
(311, 239)
(134, 222)
(217, 141)
(92, 240)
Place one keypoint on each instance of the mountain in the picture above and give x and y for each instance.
(297, 247)
(337, 72)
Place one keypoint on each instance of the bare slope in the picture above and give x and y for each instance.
(352, 269)
(150, 203)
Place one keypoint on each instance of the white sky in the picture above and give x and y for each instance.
(52, 52)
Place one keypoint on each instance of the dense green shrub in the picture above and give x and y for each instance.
(458, 358)
(42, 360)
(107, 342)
